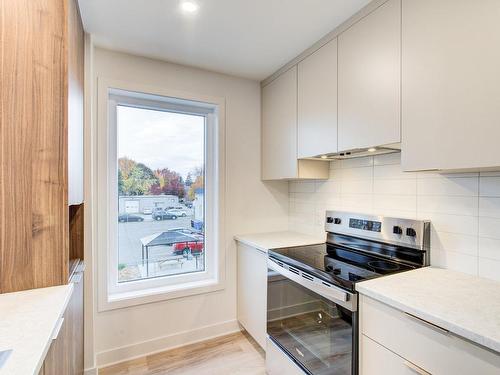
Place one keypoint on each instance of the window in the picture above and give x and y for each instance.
(161, 192)
(162, 183)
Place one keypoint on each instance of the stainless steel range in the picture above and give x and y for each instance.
(312, 319)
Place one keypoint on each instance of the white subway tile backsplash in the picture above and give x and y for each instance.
(451, 223)
(386, 159)
(456, 261)
(489, 248)
(330, 186)
(394, 202)
(357, 186)
(455, 242)
(357, 203)
(359, 173)
(395, 187)
(489, 268)
(464, 208)
(448, 204)
(489, 207)
(462, 186)
(489, 186)
(489, 227)
(392, 171)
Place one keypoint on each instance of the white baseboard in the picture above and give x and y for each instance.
(160, 344)
(90, 371)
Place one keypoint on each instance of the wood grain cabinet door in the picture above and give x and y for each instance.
(75, 310)
(58, 359)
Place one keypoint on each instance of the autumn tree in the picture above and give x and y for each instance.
(134, 178)
(169, 182)
(198, 183)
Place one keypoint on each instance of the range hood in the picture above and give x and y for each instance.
(361, 152)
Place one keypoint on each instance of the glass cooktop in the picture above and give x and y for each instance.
(340, 265)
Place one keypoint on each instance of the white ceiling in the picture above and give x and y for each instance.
(247, 38)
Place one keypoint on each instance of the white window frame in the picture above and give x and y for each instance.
(111, 294)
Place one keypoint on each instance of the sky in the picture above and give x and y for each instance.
(161, 139)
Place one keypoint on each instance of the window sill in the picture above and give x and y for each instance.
(128, 299)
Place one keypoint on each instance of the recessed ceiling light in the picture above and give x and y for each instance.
(189, 7)
(324, 156)
(372, 149)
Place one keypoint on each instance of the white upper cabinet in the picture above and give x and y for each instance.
(279, 133)
(369, 73)
(317, 102)
(451, 84)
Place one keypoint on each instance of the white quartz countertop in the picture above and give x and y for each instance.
(28, 320)
(275, 240)
(465, 305)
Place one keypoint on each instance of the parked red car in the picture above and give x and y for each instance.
(184, 248)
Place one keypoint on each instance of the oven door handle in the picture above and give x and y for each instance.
(329, 291)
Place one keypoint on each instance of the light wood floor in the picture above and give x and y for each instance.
(236, 354)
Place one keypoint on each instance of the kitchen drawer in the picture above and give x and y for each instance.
(377, 360)
(426, 346)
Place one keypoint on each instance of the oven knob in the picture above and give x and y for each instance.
(397, 230)
(337, 220)
(411, 232)
(329, 220)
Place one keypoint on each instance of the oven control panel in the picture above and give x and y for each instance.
(407, 232)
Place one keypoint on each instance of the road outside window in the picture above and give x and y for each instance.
(161, 193)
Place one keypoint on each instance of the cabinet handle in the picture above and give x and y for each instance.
(81, 267)
(55, 334)
(415, 368)
(428, 324)
(77, 277)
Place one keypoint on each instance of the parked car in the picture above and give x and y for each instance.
(178, 212)
(186, 248)
(126, 218)
(163, 215)
(147, 211)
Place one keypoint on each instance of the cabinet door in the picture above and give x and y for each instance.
(369, 69)
(317, 102)
(252, 292)
(58, 359)
(377, 360)
(279, 127)
(75, 104)
(450, 84)
(75, 317)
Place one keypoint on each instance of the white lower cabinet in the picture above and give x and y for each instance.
(393, 343)
(252, 292)
(377, 360)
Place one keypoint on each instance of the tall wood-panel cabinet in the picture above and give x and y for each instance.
(450, 84)
(41, 126)
(369, 69)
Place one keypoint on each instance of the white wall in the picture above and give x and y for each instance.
(464, 208)
(251, 206)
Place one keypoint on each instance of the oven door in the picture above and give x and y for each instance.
(314, 323)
